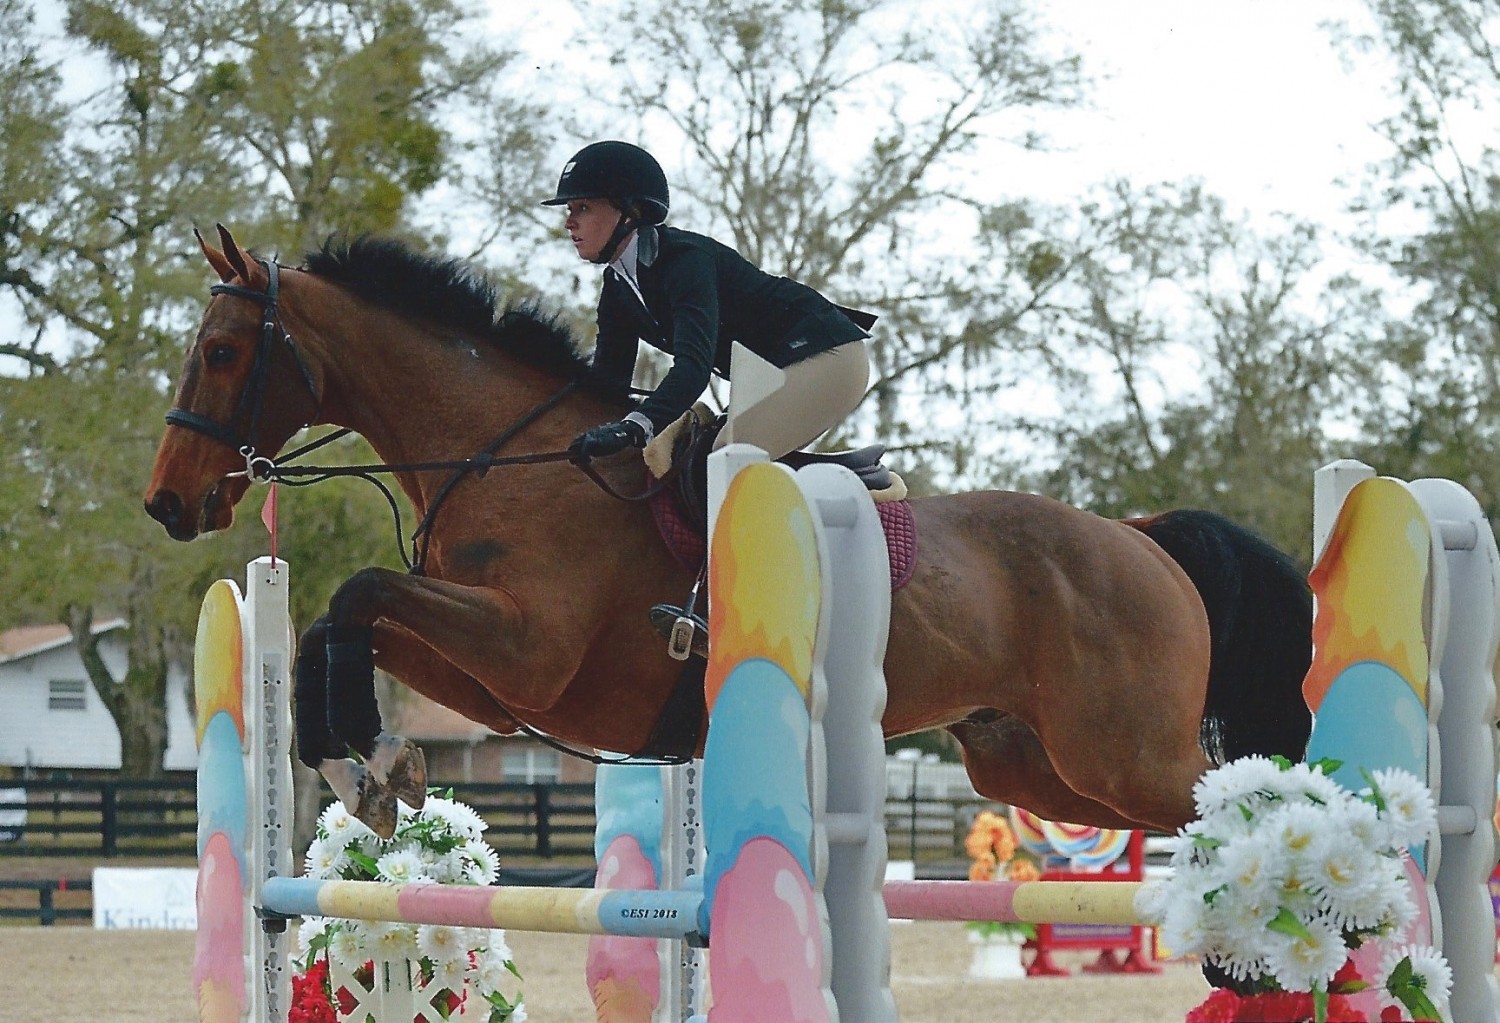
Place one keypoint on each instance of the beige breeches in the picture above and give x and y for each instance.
(814, 395)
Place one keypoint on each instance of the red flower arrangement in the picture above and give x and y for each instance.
(1225, 1006)
(310, 1002)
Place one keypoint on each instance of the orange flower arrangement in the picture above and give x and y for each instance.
(996, 855)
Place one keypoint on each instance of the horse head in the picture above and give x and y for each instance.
(245, 389)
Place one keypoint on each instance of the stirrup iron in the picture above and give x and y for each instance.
(686, 632)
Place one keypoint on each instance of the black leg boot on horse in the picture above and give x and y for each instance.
(395, 762)
(336, 709)
(319, 748)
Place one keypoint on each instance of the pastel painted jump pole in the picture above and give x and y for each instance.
(1026, 902)
(630, 914)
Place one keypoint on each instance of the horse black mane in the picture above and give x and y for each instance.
(451, 293)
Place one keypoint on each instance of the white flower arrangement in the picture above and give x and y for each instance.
(443, 842)
(1285, 871)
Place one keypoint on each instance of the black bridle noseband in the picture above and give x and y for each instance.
(254, 393)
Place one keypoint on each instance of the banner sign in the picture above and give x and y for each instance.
(145, 898)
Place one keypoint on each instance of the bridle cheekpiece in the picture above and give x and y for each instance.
(257, 467)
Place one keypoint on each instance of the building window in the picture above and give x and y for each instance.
(532, 765)
(67, 694)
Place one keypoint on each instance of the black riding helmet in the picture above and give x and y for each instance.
(617, 171)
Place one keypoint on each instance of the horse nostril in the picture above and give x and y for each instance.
(165, 507)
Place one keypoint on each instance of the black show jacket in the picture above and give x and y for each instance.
(700, 296)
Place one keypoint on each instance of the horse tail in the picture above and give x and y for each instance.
(1260, 626)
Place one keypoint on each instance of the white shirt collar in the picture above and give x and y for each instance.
(627, 263)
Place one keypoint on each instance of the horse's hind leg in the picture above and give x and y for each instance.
(1006, 762)
(320, 747)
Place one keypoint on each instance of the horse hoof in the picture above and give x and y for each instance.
(376, 807)
(407, 777)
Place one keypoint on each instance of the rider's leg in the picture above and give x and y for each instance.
(814, 396)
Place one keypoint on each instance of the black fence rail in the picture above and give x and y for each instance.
(530, 821)
(104, 818)
(540, 820)
(924, 829)
(46, 911)
(160, 818)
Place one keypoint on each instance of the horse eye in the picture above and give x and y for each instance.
(220, 355)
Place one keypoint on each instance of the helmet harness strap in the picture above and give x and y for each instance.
(623, 227)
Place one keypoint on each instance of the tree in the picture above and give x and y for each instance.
(30, 122)
(1432, 389)
(1195, 359)
(295, 119)
(825, 139)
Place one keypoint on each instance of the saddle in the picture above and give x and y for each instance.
(684, 447)
(681, 451)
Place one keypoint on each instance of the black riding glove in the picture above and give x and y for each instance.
(608, 438)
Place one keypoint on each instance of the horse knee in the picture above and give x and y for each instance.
(310, 645)
(358, 598)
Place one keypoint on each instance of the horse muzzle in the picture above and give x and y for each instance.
(215, 513)
(166, 507)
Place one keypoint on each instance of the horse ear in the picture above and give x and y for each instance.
(233, 254)
(216, 259)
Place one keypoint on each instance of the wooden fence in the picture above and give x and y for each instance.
(134, 818)
(45, 909)
(530, 821)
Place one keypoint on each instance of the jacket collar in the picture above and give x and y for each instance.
(647, 245)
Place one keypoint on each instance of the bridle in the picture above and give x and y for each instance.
(254, 393)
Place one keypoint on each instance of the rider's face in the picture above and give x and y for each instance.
(590, 223)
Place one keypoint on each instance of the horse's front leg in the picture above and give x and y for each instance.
(326, 749)
(459, 632)
(419, 667)
(369, 789)
(483, 631)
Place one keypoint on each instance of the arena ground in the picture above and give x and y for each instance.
(78, 975)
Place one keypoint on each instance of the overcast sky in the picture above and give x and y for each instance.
(1249, 95)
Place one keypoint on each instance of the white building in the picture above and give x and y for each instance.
(50, 717)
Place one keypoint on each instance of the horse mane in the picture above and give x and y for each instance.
(454, 294)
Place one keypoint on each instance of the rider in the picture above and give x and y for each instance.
(692, 297)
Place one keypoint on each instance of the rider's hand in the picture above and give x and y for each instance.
(607, 439)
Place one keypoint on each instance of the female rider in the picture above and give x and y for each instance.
(693, 298)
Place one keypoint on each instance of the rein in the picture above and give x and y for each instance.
(264, 470)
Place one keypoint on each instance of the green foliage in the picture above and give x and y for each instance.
(1164, 278)
(1428, 399)
(287, 120)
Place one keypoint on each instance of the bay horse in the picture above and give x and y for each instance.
(1091, 670)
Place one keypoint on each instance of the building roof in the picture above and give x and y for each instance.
(30, 640)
